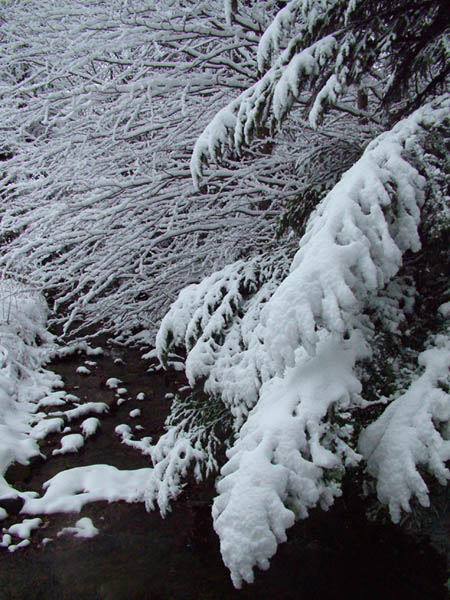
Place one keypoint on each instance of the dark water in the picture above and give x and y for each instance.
(139, 556)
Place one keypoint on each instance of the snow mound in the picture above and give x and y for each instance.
(84, 528)
(72, 489)
(70, 443)
(42, 429)
(24, 529)
(82, 370)
(90, 426)
(82, 410)
(112, 383)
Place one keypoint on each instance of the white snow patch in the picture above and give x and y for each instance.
(444, 309)
(72, 489)
(79, 347)
(135, 413)
(42, 429)
(90, 426)
(82, 410)
(46, 540)
(22, 544)
(54, 399)
(113, 383)
(84, 528)
(24, 529)
(70, 443)
(72, 398)
(82, 370)
(143, 445)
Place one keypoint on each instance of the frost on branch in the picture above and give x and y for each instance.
(413, 433)
(97, 202)
(315, 51)
(288, 455)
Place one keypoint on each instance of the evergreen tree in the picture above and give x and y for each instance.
(305, 363)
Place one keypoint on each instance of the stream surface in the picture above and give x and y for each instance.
(140, 556)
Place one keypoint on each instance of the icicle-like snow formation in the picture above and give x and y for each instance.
(412, 432)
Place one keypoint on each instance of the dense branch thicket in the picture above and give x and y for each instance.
(100, 108)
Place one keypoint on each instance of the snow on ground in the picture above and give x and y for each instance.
(90, 426)
(143, 445)
(79, 347)
(112, 383)
(59, 398)
(22, 544)
(84, 528)
(70, 490)
(24, 529)
(19, 530)
(41, 430)
(82, 410)
(32, 406)
(82, 370)
(70, 443)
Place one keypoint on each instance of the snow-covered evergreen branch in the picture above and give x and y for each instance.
(413, 434)
(309, 334)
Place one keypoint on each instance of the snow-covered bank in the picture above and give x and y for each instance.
(25, 347)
